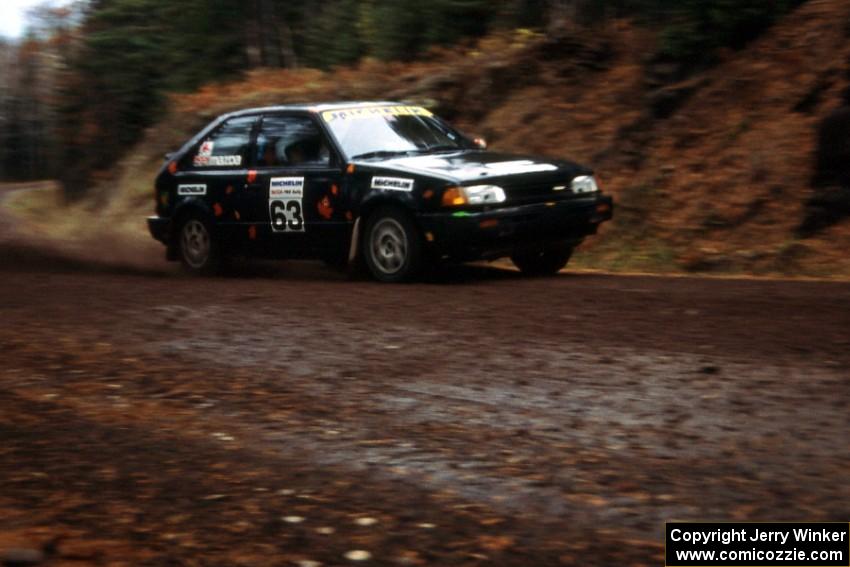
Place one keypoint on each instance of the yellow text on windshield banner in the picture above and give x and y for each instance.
(370, 111)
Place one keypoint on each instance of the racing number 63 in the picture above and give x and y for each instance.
(286, 215)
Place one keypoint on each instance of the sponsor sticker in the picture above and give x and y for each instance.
(219, 161)
(371, 111)
(191, 189)
(392, 183)
(285, 204)
(512, 167)
(206, 149)
(518, 166)
(290, 187)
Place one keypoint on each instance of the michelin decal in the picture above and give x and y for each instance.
(188, 190)
(392, 184)
(286, 187)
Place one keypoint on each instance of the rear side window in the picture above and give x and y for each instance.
(228, 146)
(290, 141)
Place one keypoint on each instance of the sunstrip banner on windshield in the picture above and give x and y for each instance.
(371, 111)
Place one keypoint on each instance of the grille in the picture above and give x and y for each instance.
(535, 192)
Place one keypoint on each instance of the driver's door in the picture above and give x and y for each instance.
(296, 187)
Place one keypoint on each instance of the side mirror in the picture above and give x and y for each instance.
(480, 142)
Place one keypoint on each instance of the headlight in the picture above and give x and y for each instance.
(584, 184)
(473, 195)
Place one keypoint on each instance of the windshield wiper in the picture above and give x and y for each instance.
(381, 153)
(443, 148)
(391, 153)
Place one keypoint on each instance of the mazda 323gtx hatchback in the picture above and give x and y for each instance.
(386, 184)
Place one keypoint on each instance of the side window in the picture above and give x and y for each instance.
(227, 146)
(288, 141)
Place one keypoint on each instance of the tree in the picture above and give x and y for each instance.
(132, 52)
(32, 69)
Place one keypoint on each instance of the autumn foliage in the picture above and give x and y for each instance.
(722, 162)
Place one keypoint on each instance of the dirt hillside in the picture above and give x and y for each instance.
(711, 172)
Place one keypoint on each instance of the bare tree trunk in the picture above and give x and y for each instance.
(6, 71)
(253, 45)
(268, 34)
(288, 58)
(561, 12)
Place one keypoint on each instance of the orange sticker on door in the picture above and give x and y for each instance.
(326, 211)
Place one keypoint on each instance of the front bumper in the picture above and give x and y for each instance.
(500, 232)
(160, 228)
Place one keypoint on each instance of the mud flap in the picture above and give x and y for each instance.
(355, 243)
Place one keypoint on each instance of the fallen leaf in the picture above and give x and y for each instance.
(495, 543)
(358, 555)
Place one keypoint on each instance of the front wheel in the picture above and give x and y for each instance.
(392, 246)
(200, 252)
(547, 262)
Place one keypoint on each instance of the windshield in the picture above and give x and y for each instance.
(375, 131)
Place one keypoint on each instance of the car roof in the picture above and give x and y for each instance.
(310, 107)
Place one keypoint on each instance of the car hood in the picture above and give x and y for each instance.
(481, 166)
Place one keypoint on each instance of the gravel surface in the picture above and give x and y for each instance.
(287, 416)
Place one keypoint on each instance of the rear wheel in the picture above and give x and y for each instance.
(544, 262)
(392, 246)
(200, 251)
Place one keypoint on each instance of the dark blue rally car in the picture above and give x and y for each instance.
(383, 183)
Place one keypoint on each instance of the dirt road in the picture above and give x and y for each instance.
(290, 417)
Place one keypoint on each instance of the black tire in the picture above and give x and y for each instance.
(544, 262)
(198, 246)
(392, 246)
